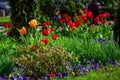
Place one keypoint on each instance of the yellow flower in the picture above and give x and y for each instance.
(9, 76)
(23, 31)
(73, 73)
(33, 23)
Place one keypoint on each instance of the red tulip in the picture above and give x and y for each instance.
(72, 24)
(86, 21)
(44, 24)
(67, 21)
(6, 25)
(85, 11)
(61, 20)
(51, 75)
(110, 22)
(97, 19)
(64, 15)
(72, 28)
(51, 29)
(69, 18)
(45, 41)
(79, 16)
(104, 21)
(46, 32)
(89, 15)
(48, 23)
(8, 32)
(78, 23)
(107, 14)
(84, 15)
(102, 15)
(54, 36)
(92, 25)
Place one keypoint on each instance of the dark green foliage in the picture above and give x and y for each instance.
(47, 8)
(116, 28)
(6, 65)
(71, 7)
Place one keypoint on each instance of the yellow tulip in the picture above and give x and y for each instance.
(33, 23)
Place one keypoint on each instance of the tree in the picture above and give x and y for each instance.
(22, 11)
(116, 28)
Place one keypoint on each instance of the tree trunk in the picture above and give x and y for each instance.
(22, 11)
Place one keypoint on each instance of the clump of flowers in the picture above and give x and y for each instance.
(33, 35)
(8, 27)
(39, 59)
(102, 18)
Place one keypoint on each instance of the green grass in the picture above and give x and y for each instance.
(89, 49)
(102, 74)
(5, 19)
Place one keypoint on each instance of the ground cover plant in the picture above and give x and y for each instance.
(62, 49)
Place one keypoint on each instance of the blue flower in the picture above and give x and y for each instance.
(84, 69)
(110, 61)
(89, 67)
(59, 75)
(13, 77)
(92, 66)
(100, 40)
(45, 78)
(4, 76)
(80, 66)
(71, 68)
(1, 78)
(98, 65)
(14, 69)
(27, 78)
(65, 73)
(20, 78)
(109, 39)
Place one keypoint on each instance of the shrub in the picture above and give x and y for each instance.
(40, 60)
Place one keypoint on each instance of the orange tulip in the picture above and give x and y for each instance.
(33, 23)
(23, 31)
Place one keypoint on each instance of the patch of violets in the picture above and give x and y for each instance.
(102, 40)
(78, 70)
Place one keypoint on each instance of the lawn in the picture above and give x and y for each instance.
(101, 74)
(4, 19)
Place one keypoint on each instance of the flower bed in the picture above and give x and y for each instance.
(66, 47)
